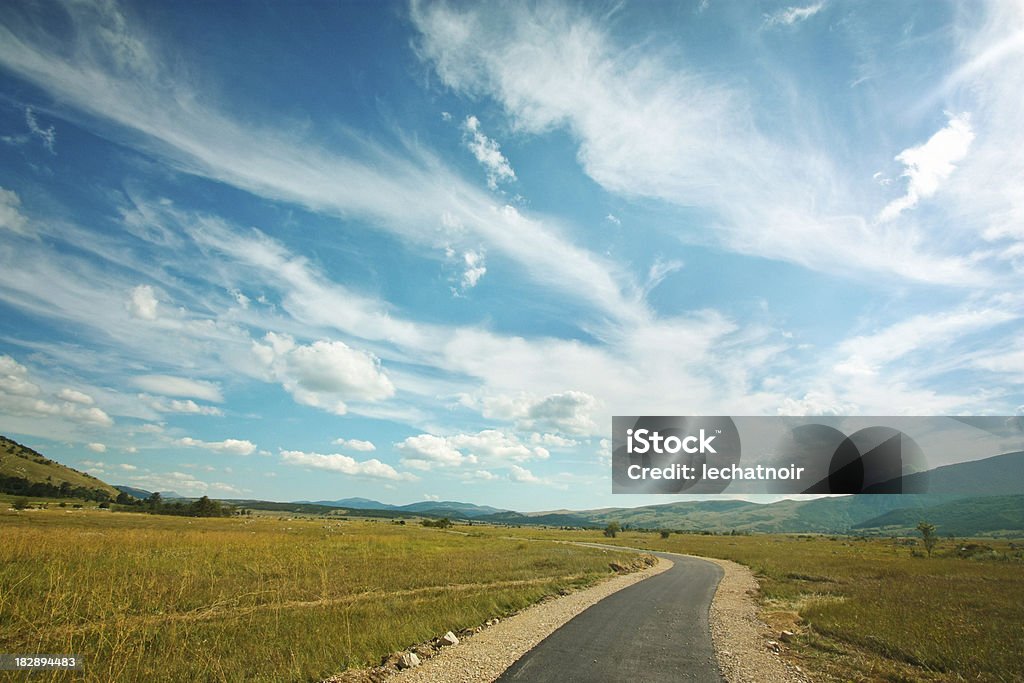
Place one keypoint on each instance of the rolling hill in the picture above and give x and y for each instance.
(21, 467)
(433, 508)
(966, 517)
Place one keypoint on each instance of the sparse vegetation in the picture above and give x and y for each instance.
(612, 530)
(927, 536)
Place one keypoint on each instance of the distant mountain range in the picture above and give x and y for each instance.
(443, 508)
(1000, 512)
(946, 505)
(143, 493)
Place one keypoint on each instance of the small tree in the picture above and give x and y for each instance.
(927, 535)
(665, 533)
(21, 504)
(612, 530)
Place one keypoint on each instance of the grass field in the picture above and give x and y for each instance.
(869, 610)
(157, 598)
(276, 599)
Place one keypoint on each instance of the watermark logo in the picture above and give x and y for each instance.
(801, 455)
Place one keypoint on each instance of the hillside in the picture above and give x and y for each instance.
(967, 517)
(21, 463)
(435, 508)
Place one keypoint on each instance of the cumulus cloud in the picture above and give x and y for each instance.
(568, 412)
(488, 153)
(168, 385)
(19, 395)
(97, 447)
(522, 475)
(335, 462)
(11, 217)
(927, 166)
(552, 440)
(324, 374)
(492, 446)
(142, 303)
(355, 444)
(426, 451)
(474, 269)
(229, 446)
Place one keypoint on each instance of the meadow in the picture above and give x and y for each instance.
(145, 597)
(875, 609)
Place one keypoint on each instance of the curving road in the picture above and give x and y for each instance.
(655, 630)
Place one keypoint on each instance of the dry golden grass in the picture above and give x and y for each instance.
(167, 598)
(870, 610)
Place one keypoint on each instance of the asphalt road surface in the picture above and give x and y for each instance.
(655, 630)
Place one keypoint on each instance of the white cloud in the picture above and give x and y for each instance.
(187, 406)
(552, 440)
(20, 396)
(649, 125)
(474, 269)
(142, 303)
(931, 163)
(179, 482)
(612, 218)
(567, 412)
(816, 403)
(128, 467)
(431, 496)
(11, 217)
(168, 385)
(869, 354)
(229, 446)
(96, 447)
(488, 153)
(75, 396)
(522, 475)
(48, 136)
(659, 270)
(355, 444)
(490, 446)
(324, 374)
(173, 121)
(426, 450)
(793, 15)
(336, 462)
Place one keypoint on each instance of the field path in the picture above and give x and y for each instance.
(655, 630)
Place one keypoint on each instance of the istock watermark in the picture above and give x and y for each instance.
(816, 455)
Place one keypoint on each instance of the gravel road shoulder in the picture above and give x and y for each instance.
(743, 643)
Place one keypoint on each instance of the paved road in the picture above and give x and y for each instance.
(655, 630)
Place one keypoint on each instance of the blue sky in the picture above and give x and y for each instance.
(427, 250)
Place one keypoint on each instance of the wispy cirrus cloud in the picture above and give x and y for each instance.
(95, 76)
(650, 127)
(793, 15)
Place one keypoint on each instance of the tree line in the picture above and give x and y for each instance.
(19, 486)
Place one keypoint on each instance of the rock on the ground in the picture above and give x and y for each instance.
(408, 660)
(449, 639)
